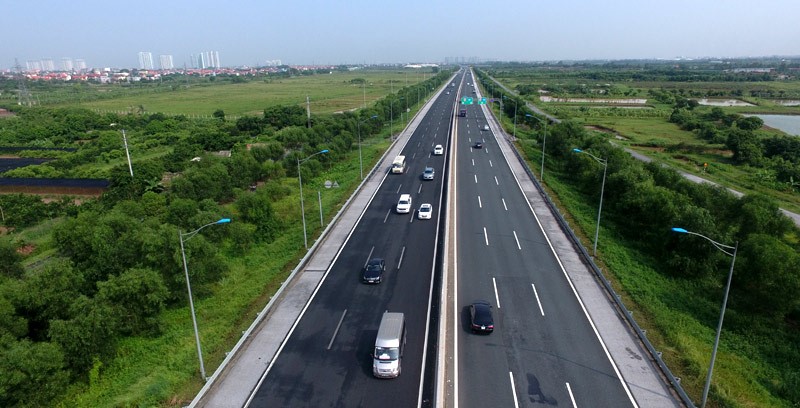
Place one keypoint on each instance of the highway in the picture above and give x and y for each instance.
(326, 360)
(544, 351)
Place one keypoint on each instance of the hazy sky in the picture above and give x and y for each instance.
(110, 33)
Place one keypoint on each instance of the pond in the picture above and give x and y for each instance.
(723, 102)
(789, 124)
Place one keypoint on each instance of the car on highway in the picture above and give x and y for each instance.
(425, 211)
(478, 145)
(404, 204)
(428, 173)
(480, 317)
(438, 150)
(485, 127)
(373, 271)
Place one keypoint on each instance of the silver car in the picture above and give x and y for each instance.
(428, 173)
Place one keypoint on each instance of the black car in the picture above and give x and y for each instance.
(480, 317)
(373, 272)
(478, 145)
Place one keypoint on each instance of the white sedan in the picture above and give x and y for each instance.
(425, 211)
(438, 150)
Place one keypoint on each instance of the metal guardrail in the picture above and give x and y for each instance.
(655, 354)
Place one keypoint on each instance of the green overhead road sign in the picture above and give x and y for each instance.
(466, 100)
(483, 101)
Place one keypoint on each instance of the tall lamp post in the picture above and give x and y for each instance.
(127, 153)
(515, 119)
(189, 236)
(360, 162)
(544, 141)
(730, 251)
(604, 162)
(302, 206)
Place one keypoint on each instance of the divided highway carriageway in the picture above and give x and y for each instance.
(557, 339)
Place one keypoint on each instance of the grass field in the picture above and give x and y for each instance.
(327, 94)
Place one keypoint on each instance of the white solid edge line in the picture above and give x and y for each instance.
(513, 389)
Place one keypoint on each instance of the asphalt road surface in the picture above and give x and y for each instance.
(544, 350)
(326, 361)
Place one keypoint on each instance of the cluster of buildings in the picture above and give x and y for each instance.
(47, 64)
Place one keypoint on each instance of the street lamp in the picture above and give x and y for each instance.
(360, 162)
(189, 236)
(544, 141)
(302, 206)
(604, 162)
(125, 143)
(725, 250)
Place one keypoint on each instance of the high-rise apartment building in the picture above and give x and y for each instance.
(48, 65)
(80, 64)
(206, 59)
(145, 60)
(66, 64)
(166, 61)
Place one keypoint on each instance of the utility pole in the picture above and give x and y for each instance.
(23, 95)
(308, 111)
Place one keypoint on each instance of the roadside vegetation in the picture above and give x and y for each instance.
(93, 302)
(674, 282)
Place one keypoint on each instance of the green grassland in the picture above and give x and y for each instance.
(328, 93)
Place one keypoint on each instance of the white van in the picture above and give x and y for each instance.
(389, 345)
(404, 204)
(399, 164)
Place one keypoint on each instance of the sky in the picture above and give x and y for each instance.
(314, 32)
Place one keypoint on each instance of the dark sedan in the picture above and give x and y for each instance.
(373, 272)
(478, 145)
(480, 317)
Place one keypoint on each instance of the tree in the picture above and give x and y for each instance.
(255, 208)
(48, 295)
(749, 123)
(10, 259)
(90, 333)
(745, 146)
(759, 214)
(136, 296)
(219, 114)
(767, 269)
(33, 373)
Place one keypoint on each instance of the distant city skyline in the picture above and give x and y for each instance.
(308, 32)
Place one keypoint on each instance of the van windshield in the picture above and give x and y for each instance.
(387, 353)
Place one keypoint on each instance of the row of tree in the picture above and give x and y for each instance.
(780, 155)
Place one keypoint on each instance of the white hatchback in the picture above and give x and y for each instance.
(438, 150)
(425, 211)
